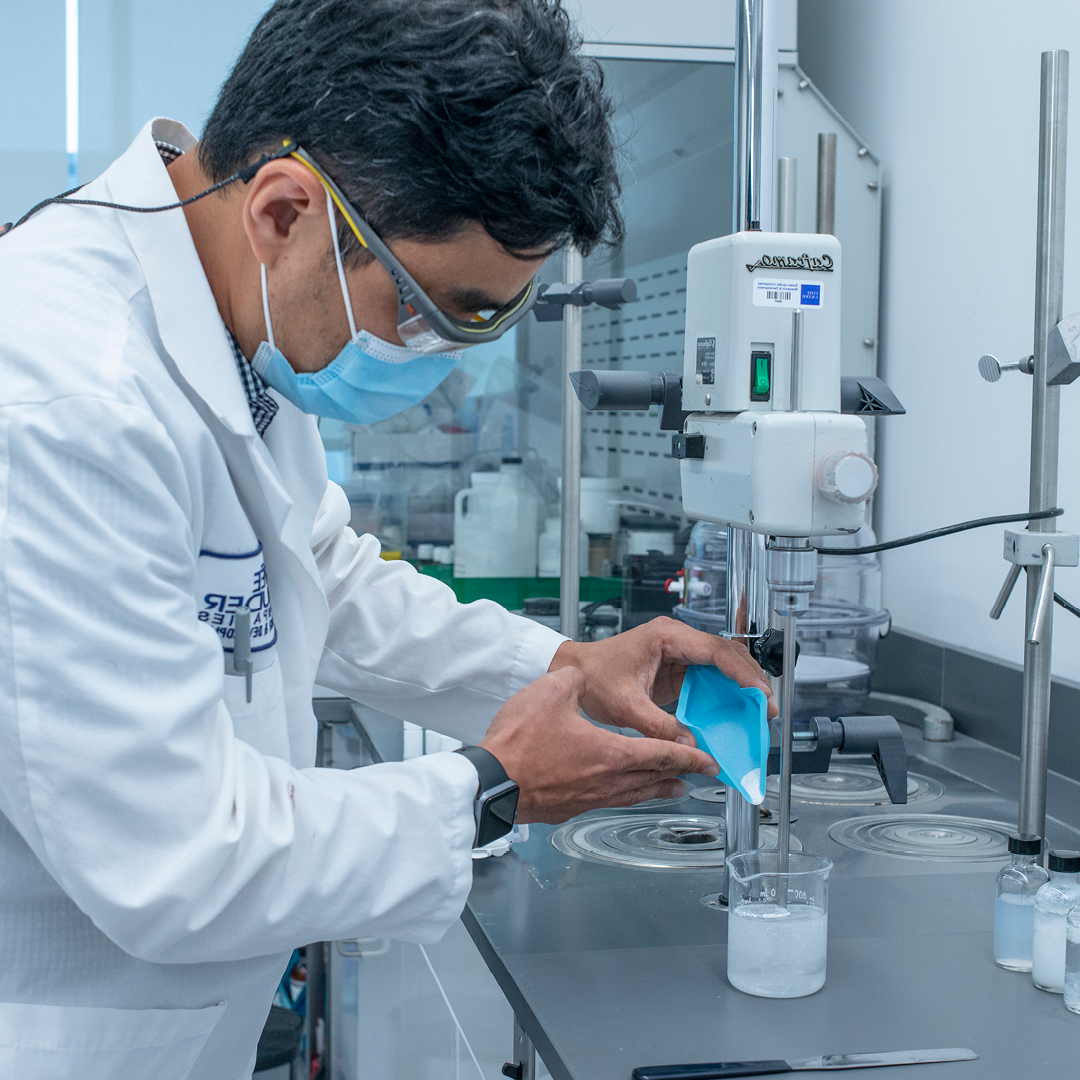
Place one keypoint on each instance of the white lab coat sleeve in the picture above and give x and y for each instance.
(400, 642)
(119, 765)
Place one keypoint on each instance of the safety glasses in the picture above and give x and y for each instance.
(421, 324)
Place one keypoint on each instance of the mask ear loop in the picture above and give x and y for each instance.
(266, 309)
(340, 267)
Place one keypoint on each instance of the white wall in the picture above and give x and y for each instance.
(947, 93)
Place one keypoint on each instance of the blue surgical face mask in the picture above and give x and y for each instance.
(369, 380)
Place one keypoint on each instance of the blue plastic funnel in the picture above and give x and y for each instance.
(730, 722)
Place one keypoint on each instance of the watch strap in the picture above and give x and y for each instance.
(495, 805)
(488, 766)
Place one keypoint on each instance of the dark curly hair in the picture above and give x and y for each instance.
(432, 113)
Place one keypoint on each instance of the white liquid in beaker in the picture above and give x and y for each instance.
(775, 951)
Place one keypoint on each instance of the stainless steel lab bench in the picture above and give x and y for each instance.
(611, 966)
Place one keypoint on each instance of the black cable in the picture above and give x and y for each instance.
(245, 174)
(1072, 609)
(933, 534)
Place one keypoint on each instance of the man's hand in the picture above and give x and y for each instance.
(564, 765)
(629, 676)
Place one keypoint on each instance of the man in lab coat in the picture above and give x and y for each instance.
(164, 511)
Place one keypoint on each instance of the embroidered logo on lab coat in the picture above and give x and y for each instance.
(229, 581)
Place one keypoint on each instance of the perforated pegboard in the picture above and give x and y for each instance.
(646, 335)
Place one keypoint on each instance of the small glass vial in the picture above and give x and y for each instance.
(1014, 908)
(1053, 902)
(1072, 960)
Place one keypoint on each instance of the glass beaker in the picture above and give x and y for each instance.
(778, 924)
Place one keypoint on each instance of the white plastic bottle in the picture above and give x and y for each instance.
(1014, 905)
(549, 550)
(496, 523)
(1053, 902)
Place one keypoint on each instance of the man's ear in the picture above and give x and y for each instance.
(285, 207)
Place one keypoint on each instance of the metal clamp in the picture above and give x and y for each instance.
(1026, 548)
(1046, 598)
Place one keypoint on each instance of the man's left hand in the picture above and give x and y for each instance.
(629, 676)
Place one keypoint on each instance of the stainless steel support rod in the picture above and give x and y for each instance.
(826, 183)
(795, 377)
(787, 179)
(787, 710)
(570, 568)
(1045, 402)
(746, 190)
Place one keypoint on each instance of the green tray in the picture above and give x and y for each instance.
(512, 592)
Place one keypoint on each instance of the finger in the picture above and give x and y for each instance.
(644, 715)
(657, 755)
(732, 658)
(567, 682)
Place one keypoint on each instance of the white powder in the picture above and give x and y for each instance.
(751, 783)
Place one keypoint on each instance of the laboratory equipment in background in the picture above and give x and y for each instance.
(597, 619)
(1014, 906)
(496, 524)
(703, 586)
(1053, 902)
(767, 443)
(645, 587)
(641, 534)
(778, 923)
(839, 633)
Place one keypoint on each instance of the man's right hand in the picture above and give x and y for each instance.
(565, 765)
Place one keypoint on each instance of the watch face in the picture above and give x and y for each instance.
(498, 816)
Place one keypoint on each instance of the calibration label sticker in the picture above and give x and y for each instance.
(774, 293)
(706, 361)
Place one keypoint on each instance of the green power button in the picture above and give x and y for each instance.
(760, 384)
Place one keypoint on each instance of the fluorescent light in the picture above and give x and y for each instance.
(71, 43)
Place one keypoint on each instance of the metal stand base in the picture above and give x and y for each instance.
(523, 1067)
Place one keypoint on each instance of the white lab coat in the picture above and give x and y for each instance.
(164, 844)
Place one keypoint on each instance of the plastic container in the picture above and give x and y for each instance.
(549, 550)
(839, 634)
(1053, 902)
(495, 524)
(705, 571)
(1072, 960)
(1014, 905)
(778, 926)
(600, 508)
(731, 723)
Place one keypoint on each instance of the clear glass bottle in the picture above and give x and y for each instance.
(1014, 907)
(1072, 960)
(1053, 902)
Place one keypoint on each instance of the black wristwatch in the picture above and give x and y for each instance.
(495, 805)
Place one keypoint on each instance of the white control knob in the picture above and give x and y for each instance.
(847, 477)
